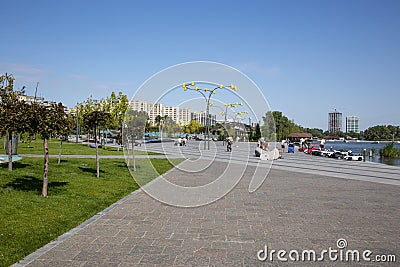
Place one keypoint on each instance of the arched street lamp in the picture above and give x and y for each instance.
(206, 93)
(239, 116)
(224, 113)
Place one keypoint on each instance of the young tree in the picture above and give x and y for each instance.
(94, 120)
(48, 121)
(134, 129)
(13, 113)
(66, 124)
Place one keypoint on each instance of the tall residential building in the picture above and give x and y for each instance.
(172, 112)
(154, 110)
(352, 124)
(184, 116)
(139, 105)
(335, 122)
(200, 117)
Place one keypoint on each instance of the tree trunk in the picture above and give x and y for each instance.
(59, 153)
(126, 148)
(46, 166)
(97, 154)
(10, 167)
(133, 154)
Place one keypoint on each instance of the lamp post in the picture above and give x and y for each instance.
(206, 93)
(232, 105)
(238, 116)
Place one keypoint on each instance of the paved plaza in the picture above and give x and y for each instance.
(306, 203)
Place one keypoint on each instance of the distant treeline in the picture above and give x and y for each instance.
(284, 126)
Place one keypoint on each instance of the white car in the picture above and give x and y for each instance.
(353, 157)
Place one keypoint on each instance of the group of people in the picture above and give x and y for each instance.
(181, 141)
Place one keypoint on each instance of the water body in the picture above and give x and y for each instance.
(358, 147)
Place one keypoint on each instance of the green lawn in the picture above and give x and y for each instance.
(29, 221)
(36, 147)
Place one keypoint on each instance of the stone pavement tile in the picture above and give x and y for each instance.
(210, 252)
(153, 234)
(66, 255)
(147, 249)
(115, 249)
(99, 230)
(167, 242)
(196, 244)
(191, 260)
(153, 259)
(217, 262)
(209, 237)
(183, 236)
(55, 262)
(132, 241)
(130, 233)
(113, 240)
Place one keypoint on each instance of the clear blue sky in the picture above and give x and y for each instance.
(307, 57)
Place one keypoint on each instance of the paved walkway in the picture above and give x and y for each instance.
(296, 208)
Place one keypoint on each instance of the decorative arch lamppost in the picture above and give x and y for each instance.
(239, 116)
(224, 113)
(206, 93)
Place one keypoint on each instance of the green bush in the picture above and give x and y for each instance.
(390, 151)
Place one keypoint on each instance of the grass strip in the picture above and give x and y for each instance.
(29, 221)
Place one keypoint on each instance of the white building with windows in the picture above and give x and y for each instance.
(176, 114)
(172, 112)
(184, 116)
(139, 105)
(201, 116)
(352, 124)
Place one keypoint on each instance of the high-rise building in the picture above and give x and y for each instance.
(184, 115)
(154, 110)
(172, 112)
(200, 117)
(139, 105)
(176, 114)
(335, 122)
(352, 124)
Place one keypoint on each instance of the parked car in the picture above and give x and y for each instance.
(340, 154)
(351, 156)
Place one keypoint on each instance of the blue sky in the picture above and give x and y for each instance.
(307, 57)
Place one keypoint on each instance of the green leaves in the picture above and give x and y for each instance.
(96, 119)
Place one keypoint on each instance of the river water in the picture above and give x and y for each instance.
(358, 147)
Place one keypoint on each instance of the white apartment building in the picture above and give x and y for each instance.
(172, 112)
(200, 117)
(178, 115)
(154, 110)
(139, 105)
(184, 116)
(352, 124)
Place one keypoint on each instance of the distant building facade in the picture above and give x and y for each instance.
(352, 124)
(335, 121)
(176, 114)
(184, 116)
(139, 105)
(172, 112)
(201, 118)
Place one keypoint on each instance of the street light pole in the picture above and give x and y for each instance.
(203, 92)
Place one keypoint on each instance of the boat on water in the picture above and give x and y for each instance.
(375, 142)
